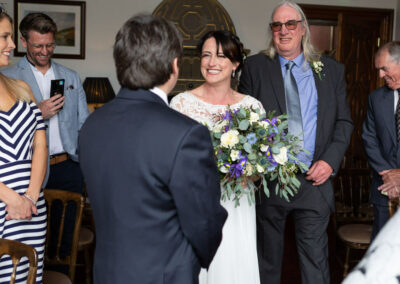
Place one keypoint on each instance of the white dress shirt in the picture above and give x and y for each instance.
(160, 93)
(44, 83)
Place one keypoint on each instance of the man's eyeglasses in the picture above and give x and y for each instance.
(290, 25)
(40, 46)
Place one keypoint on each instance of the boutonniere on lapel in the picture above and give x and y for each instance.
(317, 67)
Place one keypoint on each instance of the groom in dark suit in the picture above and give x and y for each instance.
(291, 77)
(149, 170)
(380, 137)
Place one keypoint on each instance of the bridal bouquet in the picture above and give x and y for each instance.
(250, 146)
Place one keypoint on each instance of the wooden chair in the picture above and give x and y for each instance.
(86, 240)
(52, 195)
(354, 212)
(16, 251)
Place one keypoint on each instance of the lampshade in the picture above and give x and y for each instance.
(98, 90)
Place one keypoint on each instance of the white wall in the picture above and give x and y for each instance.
(105, 17)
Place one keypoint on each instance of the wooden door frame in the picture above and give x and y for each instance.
(336, 13)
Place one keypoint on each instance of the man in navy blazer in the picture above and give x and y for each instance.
(149, 170)
(63, 115)
(380, 135)
(327, 128)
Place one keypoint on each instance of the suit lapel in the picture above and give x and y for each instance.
(277, 84)
(58, 73)
(29, 78)
(321, 86)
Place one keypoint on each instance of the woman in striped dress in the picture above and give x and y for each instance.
(23, 161)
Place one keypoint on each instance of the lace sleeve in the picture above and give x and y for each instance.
(195, 108)
(259, 105)
(176, 103)
(255, 104)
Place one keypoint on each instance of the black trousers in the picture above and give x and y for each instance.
(311, 214)
(381, 216)
(66, 176)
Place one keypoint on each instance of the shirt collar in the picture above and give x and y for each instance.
(31, 63)
(299, 60)
(160, 93)
(48, 72)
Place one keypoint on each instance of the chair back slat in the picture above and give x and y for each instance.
(352, 196)
(53, 196)
(16, 251)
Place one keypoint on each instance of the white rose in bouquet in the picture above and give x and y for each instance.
(254, 117)
(260, 169)
(223, 169)
(249, 170)
(235, 155)
(230, 139)
(264, 148)
(281, 158)
(264, 124)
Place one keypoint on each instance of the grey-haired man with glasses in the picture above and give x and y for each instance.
(63, 114)
(292, 77)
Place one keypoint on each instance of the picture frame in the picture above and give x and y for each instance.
(70, 19)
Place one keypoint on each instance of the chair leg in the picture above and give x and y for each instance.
(346, 262)
(88, 266)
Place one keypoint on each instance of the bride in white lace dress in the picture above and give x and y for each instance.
(221, 56)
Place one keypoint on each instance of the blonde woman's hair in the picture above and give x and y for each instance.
(310, 52)
(13, 87)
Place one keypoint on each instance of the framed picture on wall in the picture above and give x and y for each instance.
(70, 19)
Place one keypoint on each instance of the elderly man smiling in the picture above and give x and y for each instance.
(292, 77)
(381, 134)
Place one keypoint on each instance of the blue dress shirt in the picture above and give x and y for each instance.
(303, 75)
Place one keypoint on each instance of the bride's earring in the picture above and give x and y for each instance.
(233, 73)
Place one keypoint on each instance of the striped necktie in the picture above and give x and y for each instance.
(397, 117)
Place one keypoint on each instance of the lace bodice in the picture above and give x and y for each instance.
(204, 112)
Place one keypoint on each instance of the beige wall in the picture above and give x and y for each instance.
(105, 17)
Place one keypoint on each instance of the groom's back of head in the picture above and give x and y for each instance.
(144, 50)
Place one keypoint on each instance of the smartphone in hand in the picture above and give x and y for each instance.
(57, 87)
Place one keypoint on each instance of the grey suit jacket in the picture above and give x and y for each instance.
(379, 136)
(262, 78)
(75, 110)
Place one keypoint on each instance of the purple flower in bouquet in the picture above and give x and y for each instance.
(227, 116)
(236, 170)
(273, 121)
(271, 159)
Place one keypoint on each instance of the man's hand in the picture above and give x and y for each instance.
(52, 106)
(391, 182)
(319, 172)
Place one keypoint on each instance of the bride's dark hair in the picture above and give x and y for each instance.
(231, 45)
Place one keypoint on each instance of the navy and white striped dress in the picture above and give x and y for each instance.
(17, 129)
